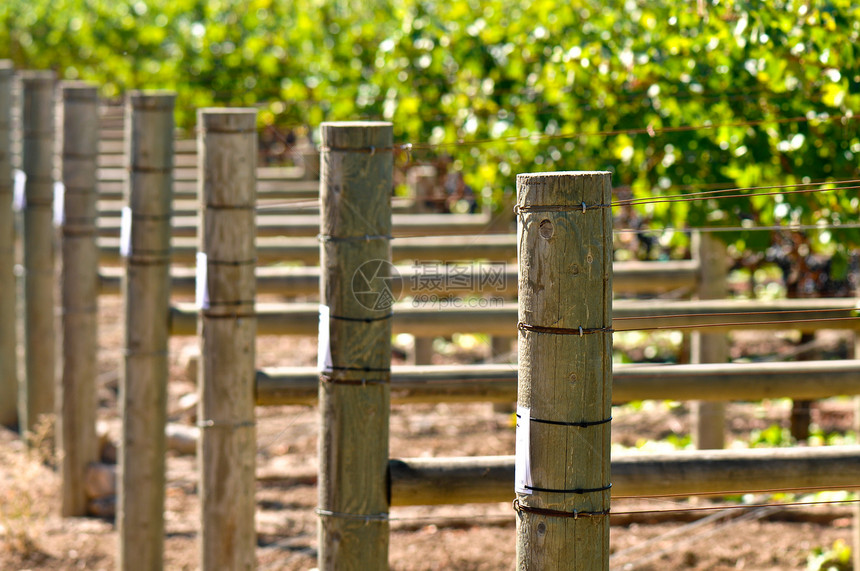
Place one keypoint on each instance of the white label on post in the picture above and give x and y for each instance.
(59, 203)
(324, 348)
(522, 463)
(125, 232)
(19, 199)
(202, 289)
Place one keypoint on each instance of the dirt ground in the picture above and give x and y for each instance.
(471, 537)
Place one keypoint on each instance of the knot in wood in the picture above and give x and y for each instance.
(545, 229)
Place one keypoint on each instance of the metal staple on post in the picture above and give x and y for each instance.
(565, 370)
(76, 394)
(143, 384)
(227, 144)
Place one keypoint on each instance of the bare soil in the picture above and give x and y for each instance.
(470, 537)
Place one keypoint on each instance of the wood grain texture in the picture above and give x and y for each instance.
(227, 446)
(307, 225)
(8, 333)
(355, 195)
(37, 157)
(498, 383)
(416, 481)
(143, 383)
(565, 281)
(628, 278)
(302, 318)
(76, 391)
(709, 418)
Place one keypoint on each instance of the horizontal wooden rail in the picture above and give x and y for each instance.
(495, 247)
(628, 278)
(279, 174)
(807, 380)
(187, 189)
(489, 479)
(115, 159)
(307, 225)
(182, 208)
(116, 145)
(434, 481)
(303, 319)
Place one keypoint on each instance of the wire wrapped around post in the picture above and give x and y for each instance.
(36, 398)
(146, 292)
(565, 370)
(76, 216)
(356, 294)
(227, 144)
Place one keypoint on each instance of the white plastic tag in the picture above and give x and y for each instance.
(19, 199)
(522, 462)
(202, 285)
(125, 232)
(59, 203)
(324, 348)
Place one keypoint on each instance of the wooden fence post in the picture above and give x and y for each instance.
(355, 344)
(37, 157)
(227, 147)
(76, 391)
(8, 351)
(565, 370)
(855, 543)
(709, 418)
(423, 351)
(143, 388)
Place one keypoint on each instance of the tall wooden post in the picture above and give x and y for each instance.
(423, 352)
(355, 344)
(855, 548)
(565, 370)
(143, 388)
(8, 352)
(76, 391)
(227, 147)
(709, 418)
(37, 396)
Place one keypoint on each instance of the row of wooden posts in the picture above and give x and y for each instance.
(354, 469)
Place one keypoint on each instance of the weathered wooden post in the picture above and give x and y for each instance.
(709, 418)
(355, 344)
(855, 544)
(227, 147)
(423, 350)
(307, 153)
(8, 353)
(143, 387)
(565, 370)
(76, 391)
(37, 118)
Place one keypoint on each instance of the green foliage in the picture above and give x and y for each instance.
(771, 437)
(579, 85)
(835, 558)
(817, 437)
